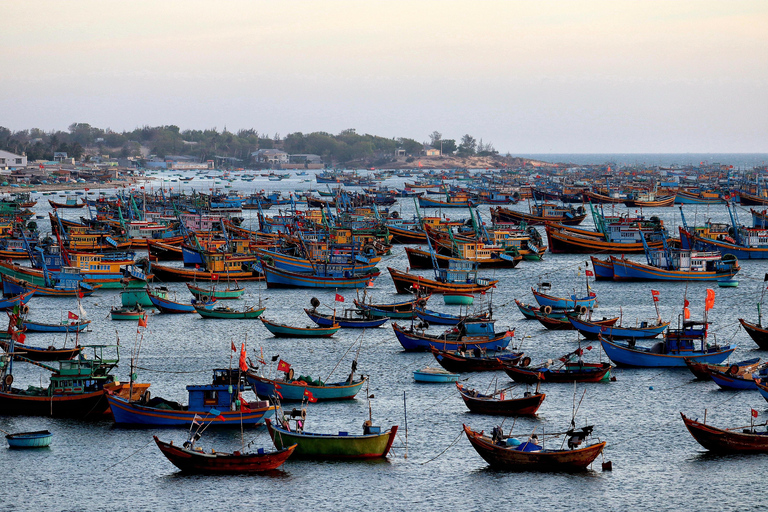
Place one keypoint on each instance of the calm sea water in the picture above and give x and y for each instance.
(657, 464)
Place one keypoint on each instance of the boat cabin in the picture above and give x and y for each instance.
(222, 393)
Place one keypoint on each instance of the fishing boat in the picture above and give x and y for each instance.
(389, 310)
(650, 200)
(71, 202)
(581, 304)
(476, 360)
(211, 310)
(18, 300)
(603, 268)
(76, 389)
(37, 439)
(278, 278)
(287, 331)
(434, 375)
(672, 351)
(701, 370)
(297, 389)
(345, 320)
(591, 330)
(26, 352)
(161, 251)
(134, 297)
(167, 306)
(506, 452)
(739, 378)
(214, 404)
(467, 335)
(540, 214)
(757, 332)
(65, 327)
(127, 313)
(741, 241)
(501, 402)
(191, 459)
(453, 280)
(205, 294)
(734, 440)
(371, 444)
(61, 288)
(569, 368)
(556, 323)
(698, 197)
(438, 318)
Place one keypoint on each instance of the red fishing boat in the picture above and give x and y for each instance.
(734, 440)
(194, 460)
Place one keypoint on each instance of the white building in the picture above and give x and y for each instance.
(8, 159)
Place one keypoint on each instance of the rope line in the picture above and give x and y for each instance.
(446, 449)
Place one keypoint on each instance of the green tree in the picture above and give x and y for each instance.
(411, 147)
(448, 146)
(468, 145)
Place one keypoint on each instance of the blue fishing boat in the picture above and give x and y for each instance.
(219, 404)
(678, 344)
(743, 242)
(467, 335)
(603, 268)
(66, 327)
(739, 378)
(344, 259)
(38, 439)
(10, 303)
(168, 306)
(592, 330)
(572, 302)
(296, 389)
(326, 277)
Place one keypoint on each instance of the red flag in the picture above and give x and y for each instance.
(143, 320)
(709, 302)
(510, 333)
(214, 277)
(339, 298)
(220, 416)
(243, 364)
(686, 303)
(282, 366)
(21, 338)
(234, 348)
(589, 273)
(655, 293)
(72, 316)
(309, 395)
(589, 347)
(415, 286)
(197, 266)
(754, 413)
(80, 293)
(279, 394)
(686, 313)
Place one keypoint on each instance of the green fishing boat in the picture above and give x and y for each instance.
(134, 313)
(288, 331)
(131, 298)
(205, 294)
(225, 312)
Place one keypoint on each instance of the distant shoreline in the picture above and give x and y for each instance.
(62, 187)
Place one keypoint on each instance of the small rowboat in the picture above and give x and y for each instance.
(727, 440)
(470, 362)
(433, 375)
(370, 445)
(701, 370)
(436, 317)
(168, 306)
(30, 353)
(78, 326)
(209, 311)
(296, 390)
(288, 331)
(39, 439)
(344, 321)
(193, 460)
(497, 403)
(206, 294)
(126, 314)
(570, 372)
(511, 454)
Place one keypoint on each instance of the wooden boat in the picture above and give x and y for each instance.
(195, 460)
(757, 332)
(591, 330)
(476, 360)
(736, 440)
(161, 251)
(701, 370)
(568, 371)
(371, 444)
(408, 283)
(225, 312)
(168, 306)
(213, 404)
(10, 303)
(390, 310)
(13, 286)
(500, 403)
(650, 201)
(71, 203)
(25, 352)
(556, 323)
(127, 314)
(168, 273)
(434, 375)
(677, 345)
(205, 294)
(468, 335)
(572, 303)
(345, 320)
(686, 197)
(278, 278)
(603, 268)
(540, 214)
(738, 378)
(420, 259)
(295, 390)
(38, 439)
(511, 454)
(437, 318)
(566, 240)
(76, 326)
(288, 331)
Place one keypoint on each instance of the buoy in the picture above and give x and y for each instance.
(650, 387)
(608, 466)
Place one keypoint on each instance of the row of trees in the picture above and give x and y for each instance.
(82, 139)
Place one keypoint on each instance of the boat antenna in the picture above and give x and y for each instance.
(405, 412)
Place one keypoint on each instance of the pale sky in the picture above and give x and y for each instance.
(528, 76)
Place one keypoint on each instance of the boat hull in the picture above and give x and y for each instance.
(413, 342)
(625, 356)
(294, 392)
(192, 461)
(726, 441)
(329, 446)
